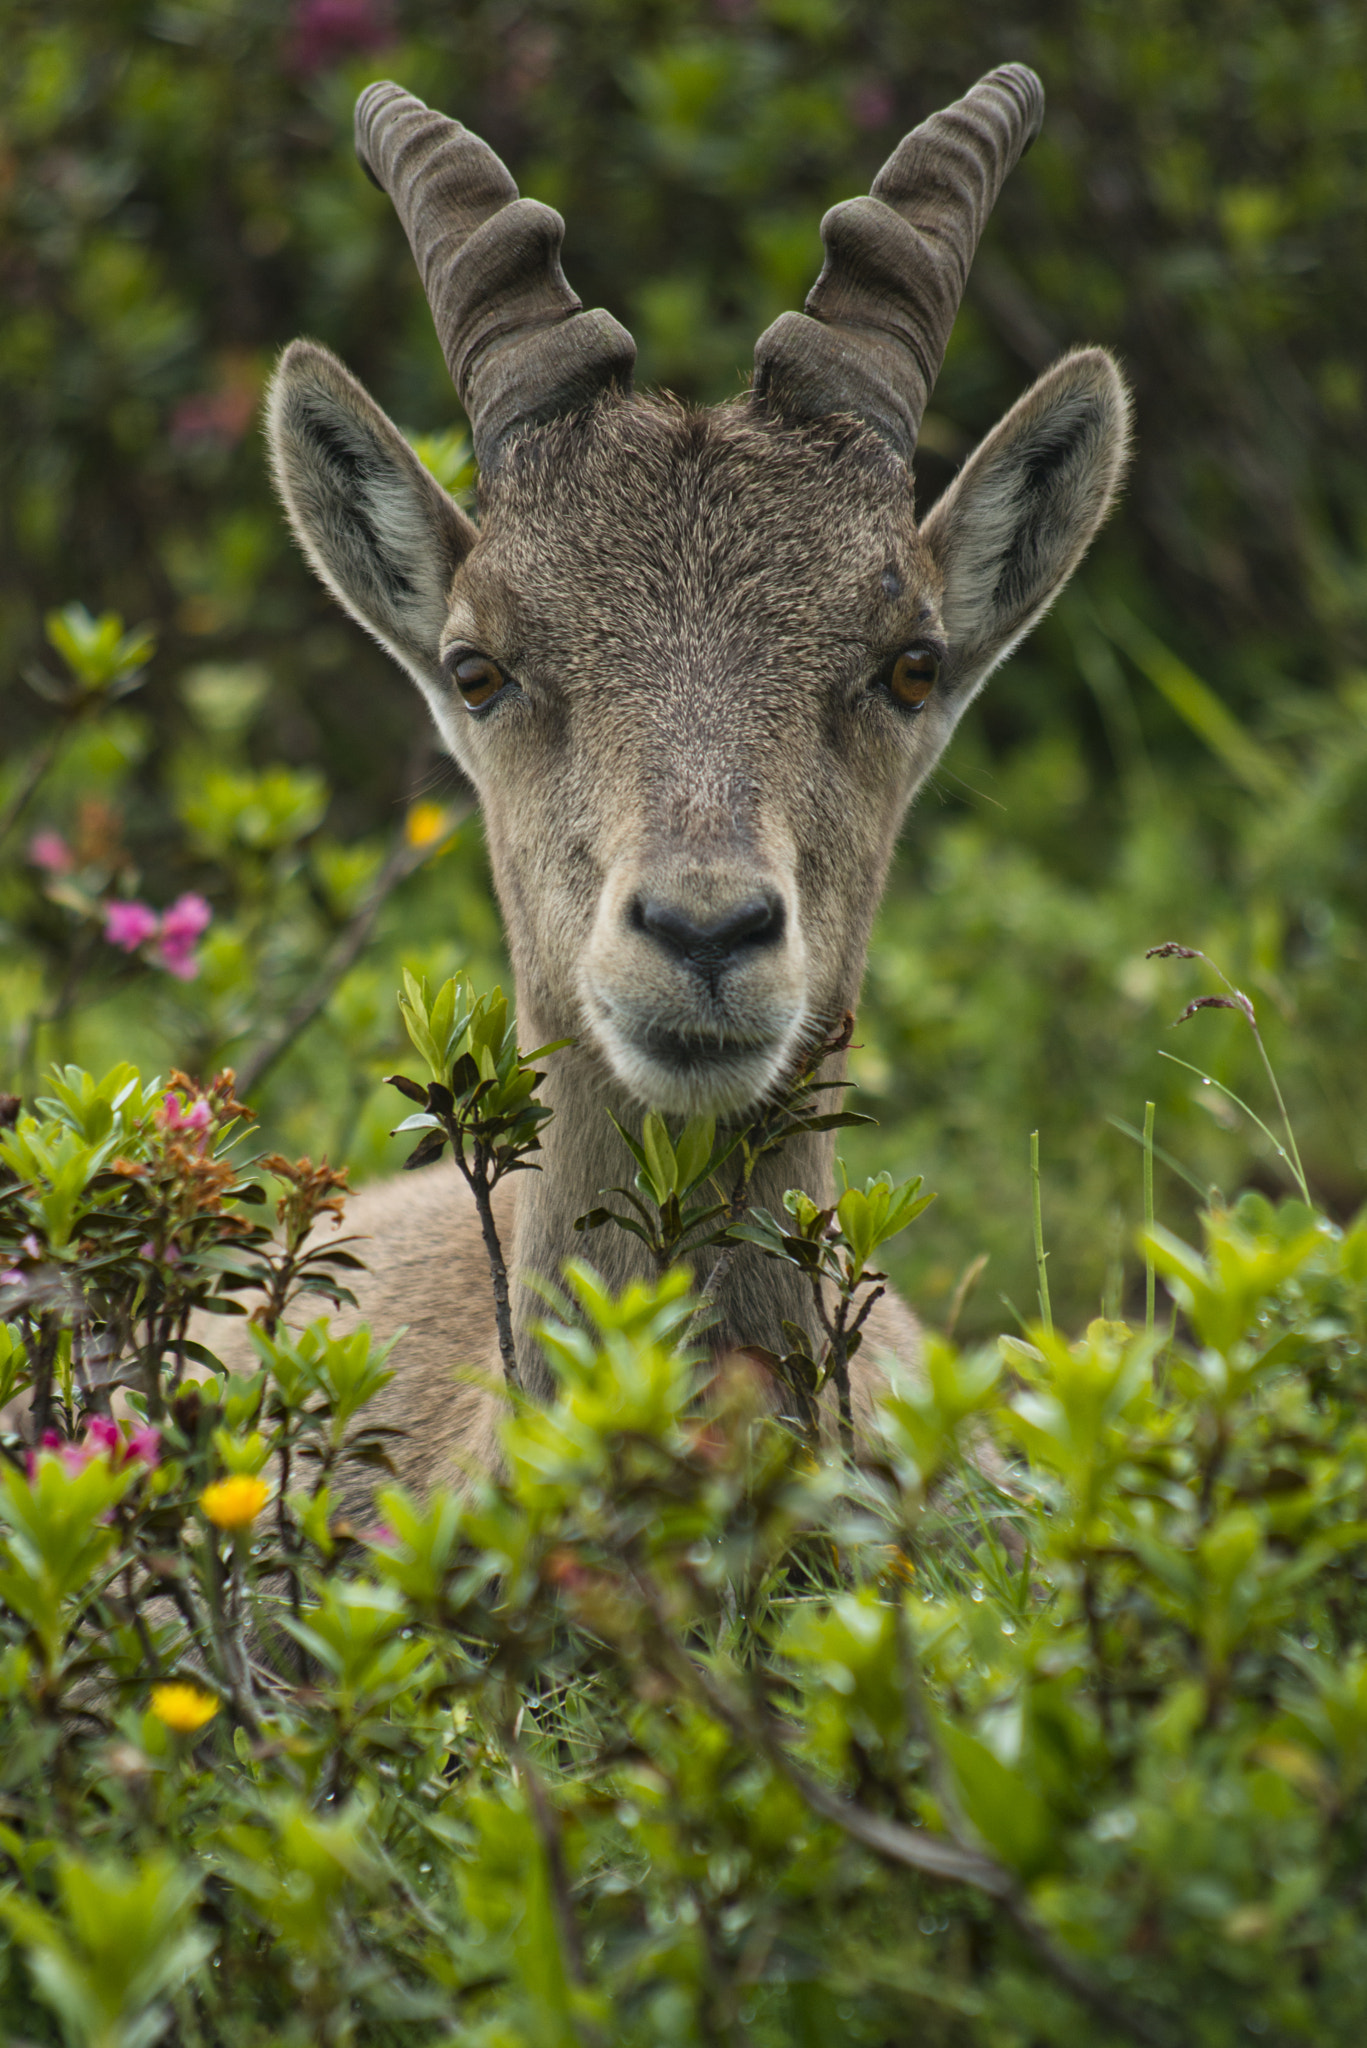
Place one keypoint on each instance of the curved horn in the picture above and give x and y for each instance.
(878, 318)
(518, 344)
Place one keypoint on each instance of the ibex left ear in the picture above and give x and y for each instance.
(1020, 515)
(380, 532)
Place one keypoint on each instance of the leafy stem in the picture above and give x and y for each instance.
(481, 1100)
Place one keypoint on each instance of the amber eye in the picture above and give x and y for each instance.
(478, 679)
(913, 677)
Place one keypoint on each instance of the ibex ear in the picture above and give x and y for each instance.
(378, 529)
(1020, 515)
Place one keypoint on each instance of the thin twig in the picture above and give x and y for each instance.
(546, 1821)
(707, 1300)
(889, 1839)
(39, 762)
(477, 1180)
(232, 1660)
(403, 861)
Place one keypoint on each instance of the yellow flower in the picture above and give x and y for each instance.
(234, 1503)
(183, 1708)
(425, 824)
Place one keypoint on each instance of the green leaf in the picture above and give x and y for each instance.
(1006, 1810)
(661, 1167)
(693, 1152)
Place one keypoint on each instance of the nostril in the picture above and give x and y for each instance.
(756, 923)
(759, 921)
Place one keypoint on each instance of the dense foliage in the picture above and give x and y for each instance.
(1041, 1718)
(1042, 1721)
(1177, 754)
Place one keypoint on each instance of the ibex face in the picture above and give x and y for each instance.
(694, 769)
(696, 664)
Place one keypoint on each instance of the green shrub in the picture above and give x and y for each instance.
(682, 1729)
(1177, 754)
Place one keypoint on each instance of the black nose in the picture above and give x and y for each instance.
(758, 921)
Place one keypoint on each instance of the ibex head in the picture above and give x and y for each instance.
(696, 663)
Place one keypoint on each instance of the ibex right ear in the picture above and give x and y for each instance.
(378, 529)
(1022, 512)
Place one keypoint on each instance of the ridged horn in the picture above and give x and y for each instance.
(517, 341)
(877, 320)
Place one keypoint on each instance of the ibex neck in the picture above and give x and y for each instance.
(582, 1156)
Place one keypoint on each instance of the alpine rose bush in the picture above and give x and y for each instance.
(683, 1728)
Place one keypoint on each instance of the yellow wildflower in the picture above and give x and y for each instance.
(425, 824)
(183, 1708)
(234, 1503)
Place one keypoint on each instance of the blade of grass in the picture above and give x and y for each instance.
(1041, 1256)
(1292, 1165)
(1148, 1218)
(1173, 1165)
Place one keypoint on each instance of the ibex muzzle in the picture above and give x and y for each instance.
(696, 663)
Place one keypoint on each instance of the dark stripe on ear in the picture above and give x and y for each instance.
(378, 529)
(1050, 463)
(324, 439)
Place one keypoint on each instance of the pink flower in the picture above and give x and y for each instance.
(74, 1456)
(213, 419)
(178, 960)
(49, 851)
(175, 1116)
(871, 104)
(144, 1443)
(102, 1439)
(325, 31)
(31, 1249)
(170, 1256)
(187, 917)
(129, 925)
(181, 925)
(382, 1534)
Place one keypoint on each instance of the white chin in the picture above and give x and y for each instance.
(701, 1083)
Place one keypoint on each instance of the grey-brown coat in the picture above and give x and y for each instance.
(696, 664)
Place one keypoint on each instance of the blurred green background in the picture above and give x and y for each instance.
(1179, 753)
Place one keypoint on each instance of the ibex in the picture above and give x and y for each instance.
(695, 663)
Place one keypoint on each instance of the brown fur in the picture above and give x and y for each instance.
(428, 1272)
(697, 613)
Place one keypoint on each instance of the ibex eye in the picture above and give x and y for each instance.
(912, 677)
(478, 679)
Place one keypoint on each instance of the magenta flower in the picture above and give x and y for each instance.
(174, 1115)
(213, 419)
(181, 925)
(129, 925)
(326, 31)
(144, 1444)
(14, 1276)
(49, 851)
(74, 1456)
(102, 1439)
(186, 919)
(871, 104)
(178, 960)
